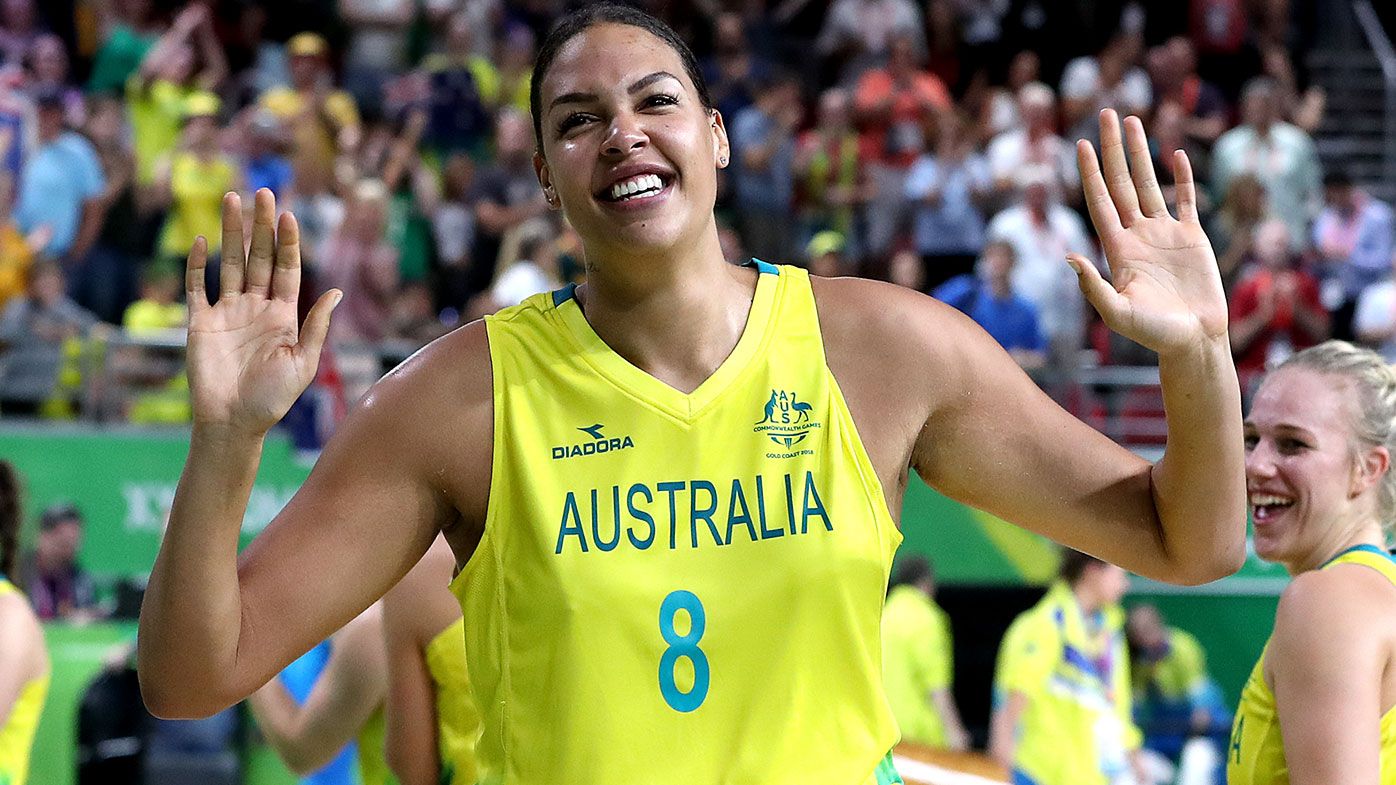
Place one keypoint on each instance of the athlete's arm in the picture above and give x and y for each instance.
(1325, 666)
(22, 657)
(1003, 728)
(344, 697)
(216, 626)
(412, 615)
(956, 737)
(983, 433)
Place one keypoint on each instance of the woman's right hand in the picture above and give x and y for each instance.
(247, 359)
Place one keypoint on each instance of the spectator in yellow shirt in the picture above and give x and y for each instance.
(169, 74)
(192, 181)
(918, 660)
(324, 121)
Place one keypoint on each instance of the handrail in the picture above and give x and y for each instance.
(1381, 46)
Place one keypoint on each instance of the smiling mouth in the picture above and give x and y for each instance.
(1265, 508)
(634, 188)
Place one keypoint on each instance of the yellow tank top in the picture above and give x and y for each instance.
(677, 587)
(457, 718)
(1256, 755)
(17, 734)
(198, 190)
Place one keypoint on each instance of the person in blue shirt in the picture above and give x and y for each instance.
(987, 297)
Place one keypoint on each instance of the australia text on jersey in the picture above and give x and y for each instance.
(756, 509)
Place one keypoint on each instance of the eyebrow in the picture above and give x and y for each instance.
(635, 87)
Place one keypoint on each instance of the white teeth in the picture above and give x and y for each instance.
(638, 184)
(1266, 500)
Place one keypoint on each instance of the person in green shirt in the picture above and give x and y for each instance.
(918, 660)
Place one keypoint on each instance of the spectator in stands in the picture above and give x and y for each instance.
(265, 164)
(56, 584)
(159, 307)
(1174, 697)
(40, 333)
(1042, 232)
(858, 33)
(517, 51)
(127, 29)
(894, 106)
(947, 189)
(827, 254)
(506, 194)
(918, 661)
(16, 121)
(60, 186)
(1034, 142)
(735, 70)
(1275, 307)
(17, 249)
(528, 265)
(1303, 109)
(463, 91)
(986, 296)
(453, 229)
(20, 27)
(1073, 636)
(1232, 227)
(156, 93)
(1175, 79)
(191, 182)
(377, 46)
(1000, 109)
(359, 261)
(1375, 319)
(1111, 78)
(105, 280)
(1278, 154)
(831, 177)
(1353, 236)
(763, 143)
(324, 121)
(48, 73)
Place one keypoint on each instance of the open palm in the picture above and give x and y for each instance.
(1165, 291)
(248, 359)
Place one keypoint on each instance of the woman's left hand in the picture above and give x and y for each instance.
(1165, 291)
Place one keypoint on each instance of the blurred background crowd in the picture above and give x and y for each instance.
(928, 142)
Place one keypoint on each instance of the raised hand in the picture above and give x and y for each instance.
(1165, 292)
(248, 361)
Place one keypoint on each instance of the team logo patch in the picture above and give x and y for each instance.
(599, 443)
(786, 420)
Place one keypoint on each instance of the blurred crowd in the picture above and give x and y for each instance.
(927, 142)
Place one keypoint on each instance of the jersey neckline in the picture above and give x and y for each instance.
(650, 389)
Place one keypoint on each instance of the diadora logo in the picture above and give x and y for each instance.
(599, 443)
(787, 421)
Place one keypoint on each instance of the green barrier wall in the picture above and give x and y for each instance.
(124, 480)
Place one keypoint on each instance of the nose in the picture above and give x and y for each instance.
(624, 136)
(1260, 460)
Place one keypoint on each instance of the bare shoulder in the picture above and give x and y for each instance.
(449, 377)
(18, 623)
(1333, 610)
(874, 327)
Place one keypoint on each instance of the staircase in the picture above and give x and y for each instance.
(1358, 132)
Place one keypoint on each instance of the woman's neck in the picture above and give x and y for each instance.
(1367, 533)
(676, 317)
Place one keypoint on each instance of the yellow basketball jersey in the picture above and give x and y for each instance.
(1257, 755)
(457, 718)
(17, 734)
(677, 587)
